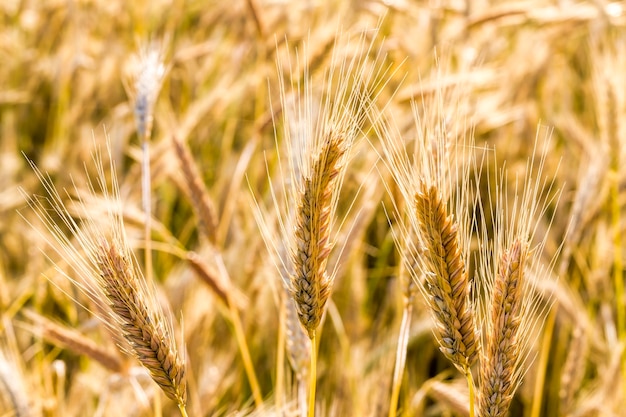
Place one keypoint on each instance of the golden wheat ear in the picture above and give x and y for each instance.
(320, 130)
(105, 270)
(509, 272)
(434, 176)
(502, 348)
(310, 283)
(447, 284)
(74, 340)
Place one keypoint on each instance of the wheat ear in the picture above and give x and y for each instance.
(502, 350)
(310, 284)
(14, 393)
(447, 284)
(319, 135)
(148, 73)
(76, 341)
(218, 281)
(201, 202)
(102, 258)
(433, 177)
(511, 269)
(143, 328)
(573, 370)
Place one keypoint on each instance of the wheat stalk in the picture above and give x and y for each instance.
(510, 268)
(101, 256)
(319, 137)
(433, 177)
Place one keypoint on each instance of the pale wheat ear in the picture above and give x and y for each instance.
(105, 270)
(16, 399)
(509, 271)
(147, 71)
(144, 75)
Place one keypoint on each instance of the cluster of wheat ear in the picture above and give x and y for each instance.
(488, 316)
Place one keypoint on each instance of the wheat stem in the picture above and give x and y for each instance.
(542, 367)
(617, 245)
(312, 375)
(280, 354)
(403, 340)
(146, 199)
(183, 410)
(245, 355)
(472, 392)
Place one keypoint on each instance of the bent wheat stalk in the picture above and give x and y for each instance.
(99, 254)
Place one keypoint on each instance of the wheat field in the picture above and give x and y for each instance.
(312, 208)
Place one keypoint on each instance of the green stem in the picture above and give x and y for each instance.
(245, 355)
(312, 376)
